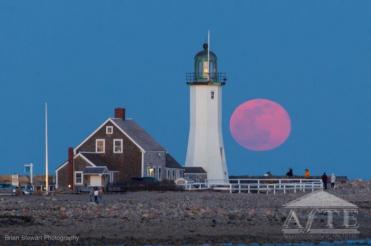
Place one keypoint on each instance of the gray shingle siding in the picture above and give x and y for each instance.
(194, 170)
(138, 134)
(95, 170)
(95, 158)
(156, 159)
(172, 163)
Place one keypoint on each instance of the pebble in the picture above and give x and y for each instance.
(139, 214)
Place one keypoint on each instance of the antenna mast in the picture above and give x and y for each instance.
(46, 151)
(208, 52)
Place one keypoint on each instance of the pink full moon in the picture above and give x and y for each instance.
(260, 124)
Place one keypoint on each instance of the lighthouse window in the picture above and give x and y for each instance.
(212, 94)
(200, 69)
(206, 67)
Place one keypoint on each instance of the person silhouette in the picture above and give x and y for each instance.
(324, 180)
(290, 173)
(333, 179)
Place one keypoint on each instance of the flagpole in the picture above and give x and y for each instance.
(46, 151)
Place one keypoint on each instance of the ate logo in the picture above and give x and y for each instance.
(321, 213)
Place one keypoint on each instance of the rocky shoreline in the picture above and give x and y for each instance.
(137, 218)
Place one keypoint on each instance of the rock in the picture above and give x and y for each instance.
(251, 212)
(232, 217)
(268, 212)
(213, 222)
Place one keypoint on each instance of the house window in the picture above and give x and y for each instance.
(117, 146)
(150, 171)
(100, 146)
(78, 178)
(174, 177)
(168, 174)
(212, 94)
(159, 173)
(109, 129)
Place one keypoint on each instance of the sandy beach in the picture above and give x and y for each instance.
(137, 218)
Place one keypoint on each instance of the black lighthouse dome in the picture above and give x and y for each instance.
(203, 56)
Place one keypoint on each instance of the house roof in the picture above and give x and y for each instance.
(138, 134)
(194, 170)
(319, 199)
(95, 158)
(172, 163)
(61, 165)
(95, 170)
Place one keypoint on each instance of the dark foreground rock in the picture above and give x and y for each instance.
(167, 218)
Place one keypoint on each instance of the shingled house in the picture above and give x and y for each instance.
(118, 150)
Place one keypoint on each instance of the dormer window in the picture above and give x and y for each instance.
(100, 145)
(212, 94)
(109, 129)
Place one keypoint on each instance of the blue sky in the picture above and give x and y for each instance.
(86, 57)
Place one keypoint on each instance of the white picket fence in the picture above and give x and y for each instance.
(258, 185)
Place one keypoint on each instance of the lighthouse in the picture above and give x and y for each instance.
(205, 139)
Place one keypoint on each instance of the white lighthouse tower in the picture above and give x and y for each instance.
(205, 140)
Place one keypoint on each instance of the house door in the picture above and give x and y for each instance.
(95, 180)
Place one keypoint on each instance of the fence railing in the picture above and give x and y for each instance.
(258, 185)
(206, 77)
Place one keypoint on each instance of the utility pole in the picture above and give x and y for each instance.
(46, 151)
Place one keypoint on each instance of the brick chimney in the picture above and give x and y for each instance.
(120, 113)
(70, 167)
